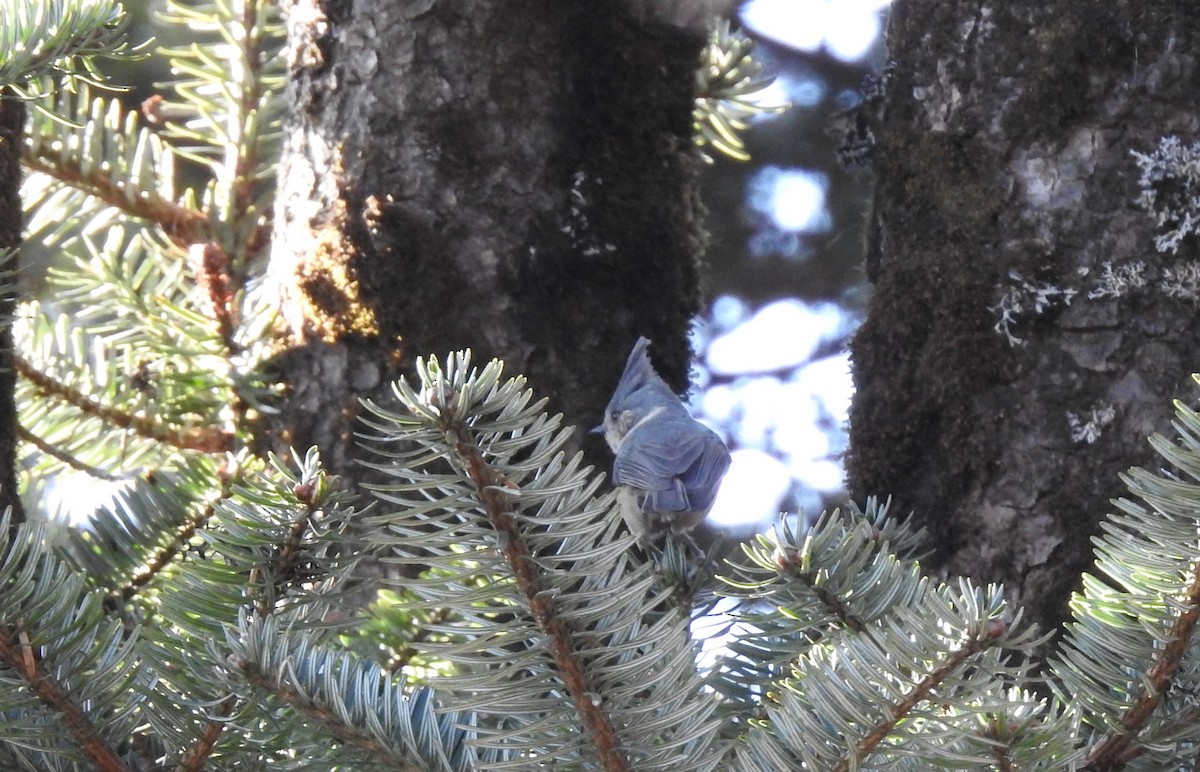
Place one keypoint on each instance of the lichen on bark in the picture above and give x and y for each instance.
(1004, 161)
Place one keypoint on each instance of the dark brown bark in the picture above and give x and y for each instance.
(1004, 160)
(517, 178)
(12, 129)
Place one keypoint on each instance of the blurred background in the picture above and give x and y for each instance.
(785, 266)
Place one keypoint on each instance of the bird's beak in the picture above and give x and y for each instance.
(596, 429)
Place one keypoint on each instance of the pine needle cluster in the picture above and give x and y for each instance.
(730, 90)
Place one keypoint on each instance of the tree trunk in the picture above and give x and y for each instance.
(12, 132)
(1005, 183)
(518, 178)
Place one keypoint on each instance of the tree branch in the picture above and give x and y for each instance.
(290, 551)
(1118, 748)
(920, 692)
(197, 757)
(50, 450)
(207, 439)
(511, 544)
(154, 564)
(305, 704)
(182, 225)
(18, 654)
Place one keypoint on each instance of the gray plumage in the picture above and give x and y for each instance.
(668, 465)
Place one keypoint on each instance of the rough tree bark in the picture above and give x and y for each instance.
(1005, 178)
(518, 178)
(12, 129)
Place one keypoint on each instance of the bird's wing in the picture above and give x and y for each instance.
(702, 478)
(677, 465)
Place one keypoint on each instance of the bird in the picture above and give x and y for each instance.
(667, 466)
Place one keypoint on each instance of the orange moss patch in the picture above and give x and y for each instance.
(331, 293)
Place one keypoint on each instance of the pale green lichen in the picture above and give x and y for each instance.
(1087, 427)
(1170, 190)
(1118, 280)
(1025, 300)
(1182, 281)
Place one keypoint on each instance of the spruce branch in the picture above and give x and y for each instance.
(210, 266)
(310, 704)
(184, 226)
(902, 709)
(63, 37)
(96, 357)
(168, 550)
(253, 44)
(19, 655)
(272, 537)
(311, 493)
(254, 561)
(496, 492)
(568, 646)
(843, 652)
(729, 91)
(1129, 661)
(395, 635)
(92, 157)
(801, 570)
(1026, 735)
(53, 450)
(175, 346)
(995, 736)
(196, 759)
(843, 573)
(139, 533)
(350, 701)
(206, 439)
(401, 659)
(1120, 744)
(74, 665)
(228, 115)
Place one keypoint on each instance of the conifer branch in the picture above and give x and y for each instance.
(197, 757)
(39, 37)
(182, 225)
(287, 562)
(404, 656)
(790, 561)
(237, 90)
(154, 564)
(304, 703)
(375, 716)
(210, 265)
(246, 163)
(729, 91)
(1117, 748)
(19, 655)
(63, 456)
(1003, 762)
(206, 439)
(572, 650)
(511, 543)
(919, 693)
